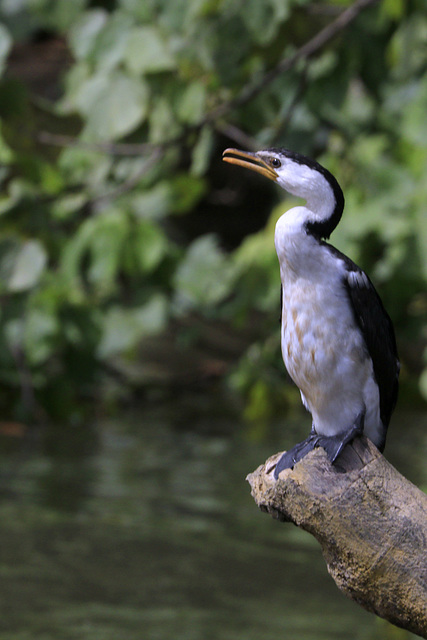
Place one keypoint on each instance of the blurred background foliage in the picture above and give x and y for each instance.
(134, 262)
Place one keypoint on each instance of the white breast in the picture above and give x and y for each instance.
(323, 350)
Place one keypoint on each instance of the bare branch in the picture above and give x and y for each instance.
(246, 95)
(234, 133)
(112, 148)
(129, 184)
(286, 119)
(303, 53)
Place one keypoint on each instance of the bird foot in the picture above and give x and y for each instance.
(294, 455)
(333, 445)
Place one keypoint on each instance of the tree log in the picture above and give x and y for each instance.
(370, 521)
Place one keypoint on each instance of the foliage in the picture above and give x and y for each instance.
(99, 182)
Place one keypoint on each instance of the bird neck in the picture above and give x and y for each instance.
(303, 220)
(324, 202)
(298, 250)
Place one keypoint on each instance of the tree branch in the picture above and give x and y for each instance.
(112, 148)
(303, 53)
(248, 92)
(130, 183)
(370, 521)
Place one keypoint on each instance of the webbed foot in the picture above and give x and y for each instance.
(294, 455)
(333, 445)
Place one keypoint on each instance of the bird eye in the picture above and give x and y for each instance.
(275, 162)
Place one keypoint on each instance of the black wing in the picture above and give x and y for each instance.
(377, 330)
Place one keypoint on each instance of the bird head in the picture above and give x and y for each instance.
(300, 176)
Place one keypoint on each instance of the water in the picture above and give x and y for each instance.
(144, 529)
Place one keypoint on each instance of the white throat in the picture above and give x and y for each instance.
(313, 187)
(296, 249)
(291, 230)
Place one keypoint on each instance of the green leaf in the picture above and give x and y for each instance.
(263, 19)
(186, 191)
(13, 331)
(40, 331)
(205, 276)
(71, 258)
(125, 328)
(412, 124)
(259, 404)
(100, 240)
(420, 230)
(150, 245)
(153, 204)
(393, 9)
(65, 207)
(202, 152)
(57, 14)
(28, 265)
(143, 11)
(111, 42)
(423, 384)
(84, 166)
(75, 81)
(6, 154)
(192, 103)
(147, 51)
(114, 105)
(7, 202)
(5, 45)
(51, 180)
(256, 262)
(105, 249)
(84, 32)
(162, 121)
(407, 57)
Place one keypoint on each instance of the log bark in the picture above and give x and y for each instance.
(370, 521)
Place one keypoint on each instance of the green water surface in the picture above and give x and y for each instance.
(140, 529)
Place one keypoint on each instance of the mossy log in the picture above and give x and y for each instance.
(370, 521)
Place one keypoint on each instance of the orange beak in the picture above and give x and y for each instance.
(249, 161)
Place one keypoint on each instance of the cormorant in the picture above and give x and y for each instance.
(337, 340)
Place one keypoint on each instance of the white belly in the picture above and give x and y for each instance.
(325, 355)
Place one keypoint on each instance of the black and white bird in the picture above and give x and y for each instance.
(337, 340)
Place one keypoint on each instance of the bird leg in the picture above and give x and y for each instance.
(333, 445)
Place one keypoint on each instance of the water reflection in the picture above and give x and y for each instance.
(148, 531)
